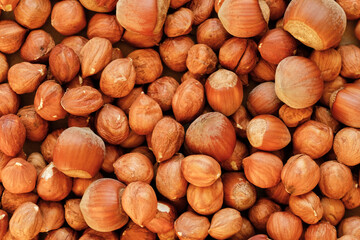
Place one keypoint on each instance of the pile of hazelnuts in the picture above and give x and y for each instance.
(179, 119)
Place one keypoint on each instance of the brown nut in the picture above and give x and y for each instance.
(350, 68)
(47, 146)
(334, 210)
(263, 71)
(133, 140)
(322, 230)
(246, 231)
(225, 223)
(345, 146)
(53, 215)
(32, 14)
(162, 91)
(73, 215)
(329, 63)
(36, 127)
(201, 59)
(329, 88)
(62, 233)
(125, 102)
(37, 46)
(11, 201)
(164, 220)
(26, 221)
(134, 231)
(177, 3)
(11, 36)
(349, 226)
(323, 115)
(170, 181)
(300, 174)
(234, 163)
(179, 23)
(212, 33)
(68, 17)
(4, 223)
(81, 184)
(174, 51)
(8, 5)
(47, 101)
(95, 55)
(112, 124)
(12, 135)
(284, 225)
(189, 225)
(260, 212)
(307, 207)
(4, 67)
(99, 6)
(140, 40)
(132, 167)
(38, 161)
(336, 179)
(277, 8)
(148, 66)
(240, 121)
(105, 26)
(25, 77)
(351, 199)
(278, 193)
(76, 43)
(10, 102)
(75, 99)
(263, 169)
(292, 117)
(139, 202)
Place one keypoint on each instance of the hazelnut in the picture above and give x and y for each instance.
(11, 201)
(260, 212)
(177, 3)
(225, 223)
(132, 167)
(144, 113)
(329, 63)
(201, 59)
(307, 207)
(334, 210)
(68, 17)
(241, 119)
(344, 104)
(112, 153)
(78, 121)
(112, 124)
(53, 185)
(292, 117)
(259, 237)
(284, 225)
(10, 100)
(170, 181)
(62, 233)
(170, 235)
(312, 138)
(125, 102)
(32, 14)
(322, 230)
(276, 45)
(95, 55)
(36, 127)
(349, 226)
(215, 130)
(350, 68)
(239, 55)
(351, 8)
(263, 71)
(200, 170)
(239, 193)
(174, 51)
(188, 75)
(268, 133)
(99, 6)
(139, 202)
(345, 146)
(131, 17)
(329, 88)
(118, 78)
(224, 91)
(312, 28)
(162, 91)
(12, 36)
(76, 43)
(47, 146)
(298, 82)
(80, 184)
(336, 179)
(300, 174)
(74, 100)
(37, 160)
(105, 26)
(4, 223)
(179, 23)
(234, 15)
(134, 231)
(12, 134)
(25, 77)
(263, 169)
(148, 66)
(64, 63)
(8, 5)
(101, 205)
(234, 163)
(201, 9)
(52, 214)
(189, 225)
(212, 33)
(351, 199)
(263, 100)
(246, 231)
(278, 194)
(277, 8)
(140, 40)
(73, 215)
(4, 67)
(188, 100)
(133, 140)
(82, 144)
(164, 220)
(26, 221)
(78, 81)
(37, 46)
(47, 101)
(147, 152)
(323, 115)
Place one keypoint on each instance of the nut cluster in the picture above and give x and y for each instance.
(179, 119)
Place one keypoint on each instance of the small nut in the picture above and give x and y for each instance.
(47, 146)
(263, 71)
(4, 223)
(240, 121)
(52, 214)
(349, 226)
(345, 146)
(11, 201)
(202, 10)
(140, 40)
(62, 233)
(260, 212)
(322, 230)
(201, 59)
(133, 140)
(37, 160)
(329, 63)
(307, 207)
(225, 223)
(234, 163)
(32, 14)
(212, 33)
(73, 215)
(164, 220)
(179, 23)
(351, 199)
(284, 225)
(278, 193)
(263, 100)
(4, 67)
(329, 88)
(10, 100)
(162, 91)
(12, 135)
(350, 67)
(323, 115)
(125, 102)
(99, 6)
(76, 43)
(104, 26)
(277, 8)
(134, 231)
(37, 46)
(36, 127)
(292, 117)
(334, 210)
(11, 36)
(190, 225)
